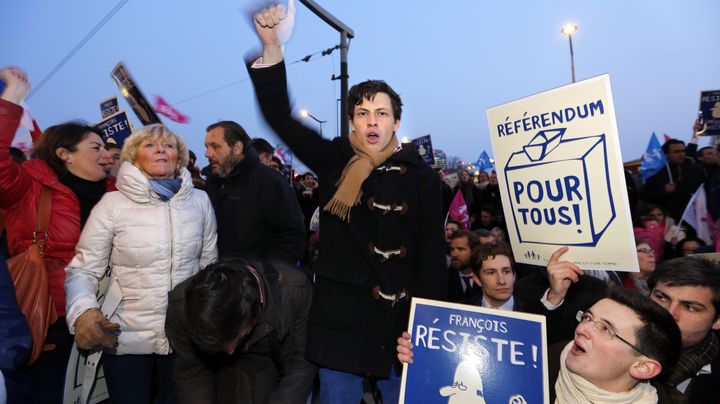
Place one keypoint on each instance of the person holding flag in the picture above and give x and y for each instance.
(672, 187)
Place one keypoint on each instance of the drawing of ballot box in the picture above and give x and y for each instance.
(559, 190)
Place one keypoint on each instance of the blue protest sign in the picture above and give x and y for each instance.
(653, 160)
(710, 109)
(116, 127)
(469, 354)
(425, 149)
(109, 107)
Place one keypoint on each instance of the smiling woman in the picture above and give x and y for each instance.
(155, 232)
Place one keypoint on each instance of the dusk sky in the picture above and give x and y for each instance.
(449, 60)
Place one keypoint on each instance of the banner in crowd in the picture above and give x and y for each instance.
(163, 108)
(653, 160)
(109, 107)
(458, 211)
(115, 128)
(483, 162)
(710, 109)
(469, 354)
(130, 90)
(561, 177)
(425, 149)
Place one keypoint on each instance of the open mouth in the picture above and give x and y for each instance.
(576, 349)
(373, 138)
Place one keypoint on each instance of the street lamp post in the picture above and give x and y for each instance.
(306, 114)
(568, 30)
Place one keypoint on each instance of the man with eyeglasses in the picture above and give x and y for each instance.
(673, 186)
(620, 343)
(689, 289)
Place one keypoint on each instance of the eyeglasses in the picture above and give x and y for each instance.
(605, 330)
(646, 250)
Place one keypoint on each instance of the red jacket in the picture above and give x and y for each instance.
(20, 187)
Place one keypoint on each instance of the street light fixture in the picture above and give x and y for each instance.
(568, 30)
(306, 114)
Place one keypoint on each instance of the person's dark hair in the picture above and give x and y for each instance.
(483, 233)
(492, 210)
(368, 89)
(659, 337)
(220, 301)
(66, 135)
(310, 174)
(191, 154)
(458, 224)
(642, 240)
(689, 271)
(702, 150)
(110, 146)
(277, 160)
(679, 247)
(472, 239)
(489, 251)
(17, 155)
(232, 132)
(669, 142)
(262, 146)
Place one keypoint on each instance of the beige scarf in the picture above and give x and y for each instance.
(354, 174)
(571, 388)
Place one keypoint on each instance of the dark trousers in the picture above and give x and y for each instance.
(139, 379)
(47, 375)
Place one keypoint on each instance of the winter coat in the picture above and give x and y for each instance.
(20, 187)
(270, 368)
(151, 245)
(352, 328)
(258, 214)
(688, 178)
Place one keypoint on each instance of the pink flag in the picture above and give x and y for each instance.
(163, 108)
(458, 210)
(666, 137)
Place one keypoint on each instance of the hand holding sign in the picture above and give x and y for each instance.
(561, 275)
(404, 348)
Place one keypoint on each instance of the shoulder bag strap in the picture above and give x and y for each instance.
(43, 218)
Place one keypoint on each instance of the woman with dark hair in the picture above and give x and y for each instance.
(67, 161)
(156, 231)
(646, 262)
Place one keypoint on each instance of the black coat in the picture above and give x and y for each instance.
(561, 322)
(258, 216)
(351, 330)
(455, 291)
(688, 178)
(271, 368)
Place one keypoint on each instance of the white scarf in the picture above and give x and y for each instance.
(571, 388)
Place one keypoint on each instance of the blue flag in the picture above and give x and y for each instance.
(653, 160)
(483, 162)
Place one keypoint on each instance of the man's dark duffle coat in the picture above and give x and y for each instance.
(352, 328)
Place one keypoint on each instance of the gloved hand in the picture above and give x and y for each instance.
(93, 330)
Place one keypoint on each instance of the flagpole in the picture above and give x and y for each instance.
(669, 173)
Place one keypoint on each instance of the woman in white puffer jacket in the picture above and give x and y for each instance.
(154, 232)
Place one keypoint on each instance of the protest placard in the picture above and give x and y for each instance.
(130, 90)
(115, 128)
(109, 107)
(469, 354)
(710, 110)
(561, 177)
(425, 149)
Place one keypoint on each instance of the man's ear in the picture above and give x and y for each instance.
(645, 368)
(716, 324)
(238, 148)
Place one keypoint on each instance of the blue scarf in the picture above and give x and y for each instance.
(166, 188)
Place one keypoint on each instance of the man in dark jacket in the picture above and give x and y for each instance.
(257, 213)
(381, 226)
(239, 332)
(673, 186)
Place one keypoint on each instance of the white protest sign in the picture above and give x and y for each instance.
(561, 177)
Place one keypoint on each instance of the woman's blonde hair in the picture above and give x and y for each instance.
(155, 131)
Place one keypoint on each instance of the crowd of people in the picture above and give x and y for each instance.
(233, 284)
